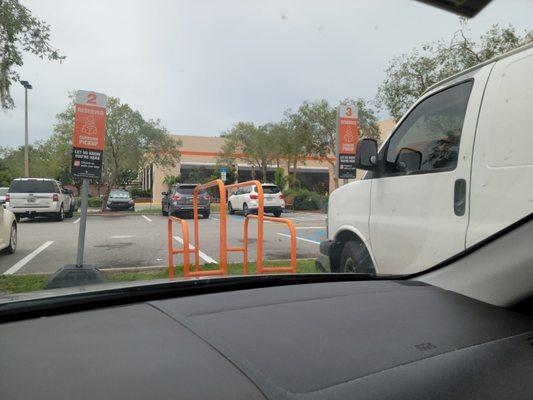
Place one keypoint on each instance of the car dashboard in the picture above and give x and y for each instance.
(385, 339)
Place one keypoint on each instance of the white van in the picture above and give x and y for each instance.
(457, 168)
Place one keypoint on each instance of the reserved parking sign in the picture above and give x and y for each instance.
(347, 138)
(89, 134)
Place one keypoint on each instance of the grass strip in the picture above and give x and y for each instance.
(33, 282)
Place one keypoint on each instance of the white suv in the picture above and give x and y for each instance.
(31, 197)
(246, 199)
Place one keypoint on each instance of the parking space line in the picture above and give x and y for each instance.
(146, 218)
(214, 219)
(75, 222)
(310, 227)
(300, 238)
(202, 255)
(27, 259)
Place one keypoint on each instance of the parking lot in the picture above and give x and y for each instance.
(136, 240)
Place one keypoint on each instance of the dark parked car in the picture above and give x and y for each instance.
(179, 200)
(120, 200)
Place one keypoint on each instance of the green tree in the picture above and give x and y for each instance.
(280, 179)
(171, 180)
(409, 75)
(318, 121)
(20, 32)
(252, 143)
(131, 143)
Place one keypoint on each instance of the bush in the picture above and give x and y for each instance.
(280, 180)
(305, 199)
(95, 202)
(137, 192)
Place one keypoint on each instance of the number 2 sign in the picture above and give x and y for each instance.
(89, 134)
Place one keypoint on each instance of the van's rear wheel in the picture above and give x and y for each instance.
(230, 208)
(355, 258)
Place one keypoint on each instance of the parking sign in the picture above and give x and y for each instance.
(347, 138)
(89, 134)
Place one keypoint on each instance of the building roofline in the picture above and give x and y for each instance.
(478, 66)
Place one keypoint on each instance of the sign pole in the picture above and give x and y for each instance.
(87, 154)
(83, 222)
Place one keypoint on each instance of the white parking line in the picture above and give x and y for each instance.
(146, 218)
(202, 255)
(27, 259)
(310, 227)
(300, 238)
(215, 219)
(75, 222)
(121, 236)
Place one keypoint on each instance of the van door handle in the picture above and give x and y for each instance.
(459, 197)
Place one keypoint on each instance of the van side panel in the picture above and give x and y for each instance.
(502, 171)
(349, 206)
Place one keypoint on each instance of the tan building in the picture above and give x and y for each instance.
(201, 152)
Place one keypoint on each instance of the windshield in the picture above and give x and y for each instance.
(119, 194)
(32, 187)
(384, 146)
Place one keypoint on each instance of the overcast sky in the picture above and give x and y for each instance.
(201, 66)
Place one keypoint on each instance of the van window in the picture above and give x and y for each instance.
(428, 139)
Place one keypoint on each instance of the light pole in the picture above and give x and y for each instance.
(27, 86)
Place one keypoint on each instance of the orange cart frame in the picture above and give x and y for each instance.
(171, 250)
(260, 217)
(259, 265)
(223, 254)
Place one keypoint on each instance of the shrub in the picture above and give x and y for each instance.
(280, 180)
(95, 202)
(305, 199)
(137, 192)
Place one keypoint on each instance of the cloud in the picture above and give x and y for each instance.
(200, 66)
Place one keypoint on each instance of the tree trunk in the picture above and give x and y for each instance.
(335, 179)
(264, 172)
(253, 172)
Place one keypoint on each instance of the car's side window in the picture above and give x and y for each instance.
(428, 139)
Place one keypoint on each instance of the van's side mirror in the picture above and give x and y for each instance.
(366, 156)
(408, 160)
(164, 193)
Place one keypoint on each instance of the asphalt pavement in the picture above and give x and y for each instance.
(136, 240)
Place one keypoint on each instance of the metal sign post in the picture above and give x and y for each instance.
(87, 153)
(83, 221)
(347, 138)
